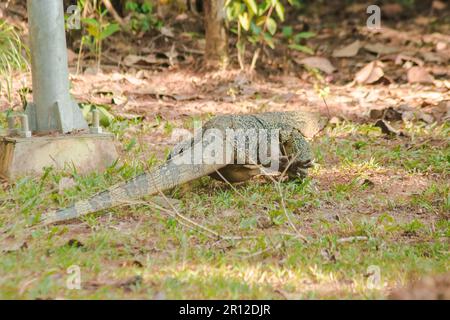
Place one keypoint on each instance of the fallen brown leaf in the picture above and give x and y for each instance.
(323, 64)
(348, 51)
(402, 57)
(132, 60)
(370, 73)
(166, 31)
(380, 48)
(419, 75)
(438, 5)
(431, 57)
(441, 46)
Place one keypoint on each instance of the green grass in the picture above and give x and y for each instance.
(13, 56)
(392, 192)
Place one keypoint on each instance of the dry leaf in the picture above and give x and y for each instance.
(348, 51)
(323, 64)
(424, 21)
(438, 5)
(166, 31)
(399, 59)
(431, 57)
(425, 117)
(419, 75)
(435, 37)
(371, 73)
(133, 59)
(380, 48)
(119, 100)
(440, 46)
(442, 111)
(134, 81)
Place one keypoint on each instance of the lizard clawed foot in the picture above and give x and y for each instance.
(297, 169)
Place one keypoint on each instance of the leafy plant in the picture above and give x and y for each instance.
(97, 30)
(106, 118)
(11, 56)
(257, 23)
(142, 17)
(294, 40)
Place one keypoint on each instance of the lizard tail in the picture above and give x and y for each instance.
(164, 177)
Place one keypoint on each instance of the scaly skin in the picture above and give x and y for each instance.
(295, 151)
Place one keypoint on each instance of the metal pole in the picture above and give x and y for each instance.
(53, 109)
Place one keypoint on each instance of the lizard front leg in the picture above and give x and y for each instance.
(297, 155)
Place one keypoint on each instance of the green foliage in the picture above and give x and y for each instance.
(11, 56)
(257, 22)
(294, 40)
(106, 118)
(407, 3)
(142, 16)
(97, 30)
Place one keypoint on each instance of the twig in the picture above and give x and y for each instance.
(256, 54)
(230, 184)
(252, 255)
(185, 218)
(240, 54)
(352, 239)
(186, 221)
(328, 109)
(283, 203)
(114, 13)
(254, 59)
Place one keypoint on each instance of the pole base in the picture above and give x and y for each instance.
(29, 156)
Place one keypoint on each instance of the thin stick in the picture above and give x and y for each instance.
(252, 255)
(114, 13)
(328, 109)
(283, 204)
(185, 218)
(230, 184)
